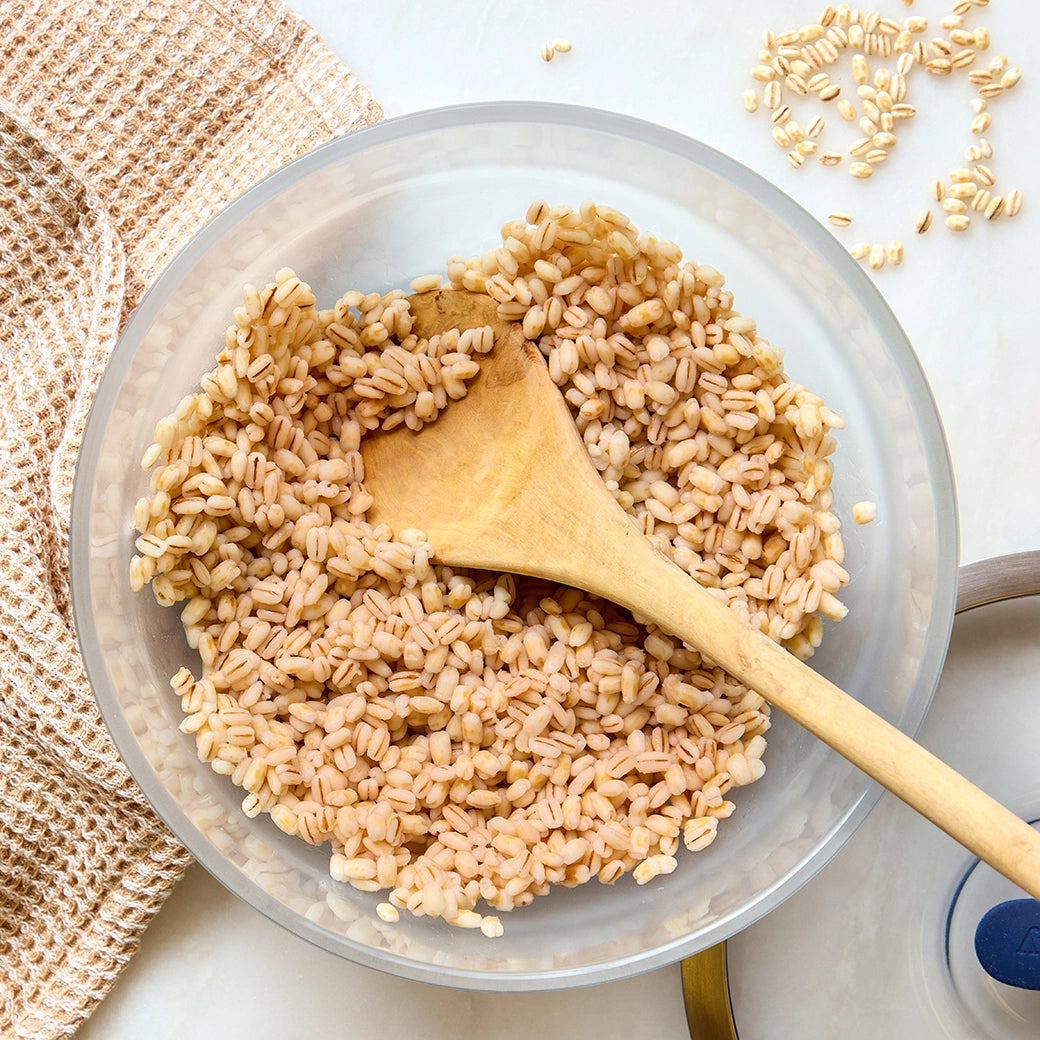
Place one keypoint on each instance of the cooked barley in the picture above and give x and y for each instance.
(449, 734)
(958, 221)
(923, 221)
(839, 218)
(864, 512)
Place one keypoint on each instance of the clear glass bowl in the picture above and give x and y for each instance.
(374, 210)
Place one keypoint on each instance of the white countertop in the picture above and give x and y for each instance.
(210, 965)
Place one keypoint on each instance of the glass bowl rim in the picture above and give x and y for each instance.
(802, 223)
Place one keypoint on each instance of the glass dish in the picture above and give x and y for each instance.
(882, 942)
(374, 210)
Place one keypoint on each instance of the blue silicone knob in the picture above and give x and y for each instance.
(1007, 943)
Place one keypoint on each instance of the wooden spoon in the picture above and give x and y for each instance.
(502, 481)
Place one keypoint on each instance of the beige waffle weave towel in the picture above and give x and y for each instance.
(124, 125)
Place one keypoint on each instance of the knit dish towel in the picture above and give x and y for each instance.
(124, 126)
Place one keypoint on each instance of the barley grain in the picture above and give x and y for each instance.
(958, 222)
(864, 512)
(1011, 78)
(980, 124)
(362, 712)
(923, 221)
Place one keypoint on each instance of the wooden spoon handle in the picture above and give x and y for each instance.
(653, 587)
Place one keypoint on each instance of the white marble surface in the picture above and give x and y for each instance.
(211, 966)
